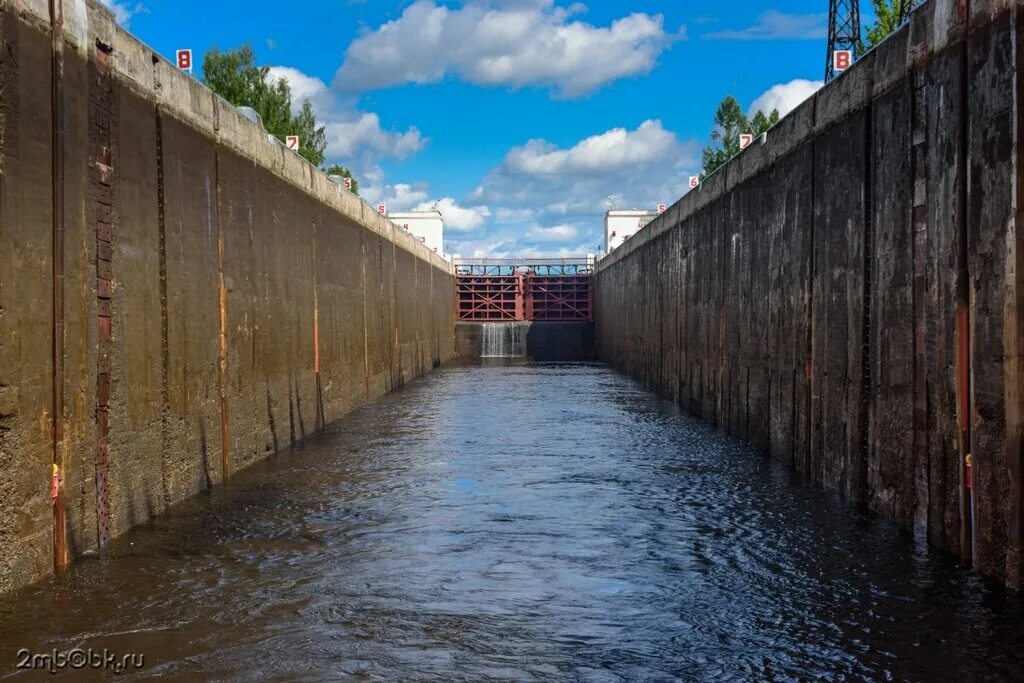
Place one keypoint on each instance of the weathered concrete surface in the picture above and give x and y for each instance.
(554, 340)
(210, 296)
(848, 295)
(545, 340)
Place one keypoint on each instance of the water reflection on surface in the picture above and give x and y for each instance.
(524, 521)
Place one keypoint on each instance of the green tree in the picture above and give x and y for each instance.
(730, 122)
(761, 122)
(338, 169)
(887, 20)
(234, 76)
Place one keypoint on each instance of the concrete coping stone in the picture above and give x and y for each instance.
(890, 61)
(792, 132)
(750, 162)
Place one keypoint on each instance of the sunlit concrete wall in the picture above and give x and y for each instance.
(204, 299)
(847, 296)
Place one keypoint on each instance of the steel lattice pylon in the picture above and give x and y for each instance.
(904, 9)
(843, 31)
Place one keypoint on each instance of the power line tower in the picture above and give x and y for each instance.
(843, 31)
(904, 11)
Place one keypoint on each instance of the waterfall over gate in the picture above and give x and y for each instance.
(503, 340)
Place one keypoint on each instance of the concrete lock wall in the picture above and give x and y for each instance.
(183, 295)
(848, 295)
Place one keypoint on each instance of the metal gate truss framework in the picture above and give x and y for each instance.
(489, 298)
(508, 290)
(566, 297)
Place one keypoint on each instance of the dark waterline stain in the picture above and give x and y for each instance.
(524, 521)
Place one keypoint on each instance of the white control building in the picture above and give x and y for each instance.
(620, 225)
(427, 226)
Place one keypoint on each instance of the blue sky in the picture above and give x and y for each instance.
(518, 117)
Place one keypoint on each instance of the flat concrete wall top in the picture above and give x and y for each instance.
(86, 22)
(933, 27)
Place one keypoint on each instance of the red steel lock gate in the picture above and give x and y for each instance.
(495, 290)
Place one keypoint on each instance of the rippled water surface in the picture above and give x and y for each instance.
(510, 522)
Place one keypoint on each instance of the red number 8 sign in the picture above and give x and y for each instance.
(184, 60)
(841, 60)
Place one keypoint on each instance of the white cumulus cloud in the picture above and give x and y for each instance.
(556, 233)
(551, 199)
(350, 133)
(457, 218)
(506, 215)
(616, 148)
(303, 86)
(398, 196)
(348, 138)
(510, 43)
(785, 96)
(641, 167)
(123, 11)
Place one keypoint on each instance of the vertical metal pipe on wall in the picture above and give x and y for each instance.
(963, 326)
(60, 552)
(222, 303)
(1015, 338)
(316, 341)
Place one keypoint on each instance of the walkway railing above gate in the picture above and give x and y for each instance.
(582, 265)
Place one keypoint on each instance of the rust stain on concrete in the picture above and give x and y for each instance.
(190, 261)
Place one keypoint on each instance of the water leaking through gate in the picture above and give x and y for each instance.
(504, 340)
